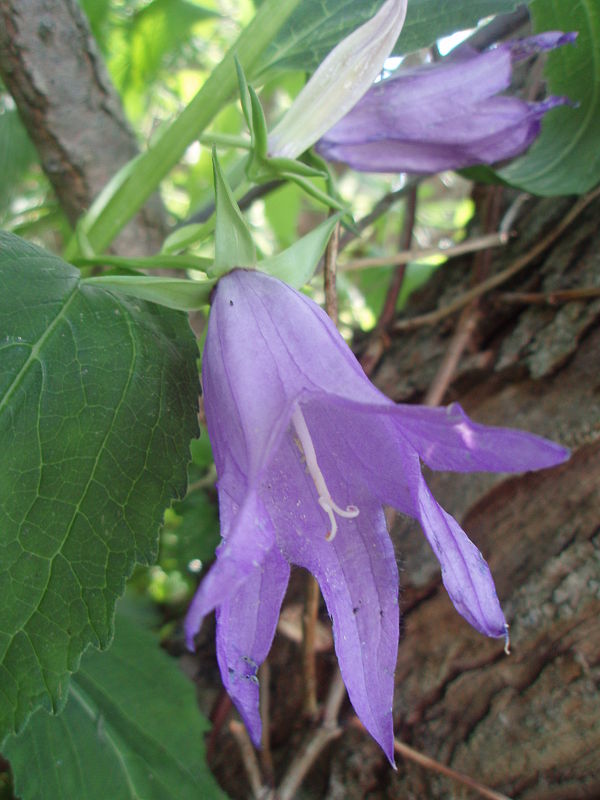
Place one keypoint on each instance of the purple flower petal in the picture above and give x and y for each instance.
(446, 439)
(357, 574)
(443, 116)
(247, 544)
(246, 623)
(465, 574)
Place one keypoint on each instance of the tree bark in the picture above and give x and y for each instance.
(51, 65)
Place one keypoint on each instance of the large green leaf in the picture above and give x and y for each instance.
(97, 407)
(317, 26)
(566, 157)
(131, 729)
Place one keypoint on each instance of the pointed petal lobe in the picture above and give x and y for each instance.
(246, 623)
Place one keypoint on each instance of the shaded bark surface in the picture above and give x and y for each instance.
(51, 65)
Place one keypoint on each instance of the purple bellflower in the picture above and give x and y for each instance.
(307, 452)
(446, 115)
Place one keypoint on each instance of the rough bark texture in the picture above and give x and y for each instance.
(51, 65)
(527, 724)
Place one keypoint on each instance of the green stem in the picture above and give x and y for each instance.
(225, 140)
(112, 210)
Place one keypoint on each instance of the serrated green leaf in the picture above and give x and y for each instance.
(234, 246)
(566, 157)
(316, 27)
(176, 293)
(297, 264)
(97, 407)
(130, 729)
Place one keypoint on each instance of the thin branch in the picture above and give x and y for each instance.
(433, 317)
(391, 299)
(240, 734)
(329, 277)
(314, 744)
(266, 760)
(408, 256)
(435, 766)
(465, 329)
(550, 298)
(470, 316)
(381, 207)
(309, 626)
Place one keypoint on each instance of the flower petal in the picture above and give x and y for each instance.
(246, 623)
(357, 574)
(465, 573)
(445, 115)
(446, 439)
(340, 80)
(249, 541)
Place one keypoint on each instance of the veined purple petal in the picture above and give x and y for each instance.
(446, 439)
(443, 116)
(249, 541)
(465, 573)
(246, 623)
(357, 574)
(532, 45)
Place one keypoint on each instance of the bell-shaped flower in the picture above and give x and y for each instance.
(445, 115)
(307, 452)
(339, 81)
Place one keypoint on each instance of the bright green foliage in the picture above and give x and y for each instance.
(17, 152)
(234, 246)
(155, 34)
(317, 26)
(566, 157)
(130, 729)
(97, 407)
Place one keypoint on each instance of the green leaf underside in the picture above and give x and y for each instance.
(566, 157)
(317, 26)
(130, 729)
(97, 407)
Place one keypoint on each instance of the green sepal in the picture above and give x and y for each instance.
(149, 262)
(314, 191)
(244, 96)
(234, 246)
(177, 293)
(259, 125)
(297, 264)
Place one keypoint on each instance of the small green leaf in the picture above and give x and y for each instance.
(130, 729)
(98, 401)
(234, 246)
(297, 264)
(176, 293)
(566, 157)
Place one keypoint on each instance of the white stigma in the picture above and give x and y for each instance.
(329, 506)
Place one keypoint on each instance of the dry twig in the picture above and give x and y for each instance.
(433, 317)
